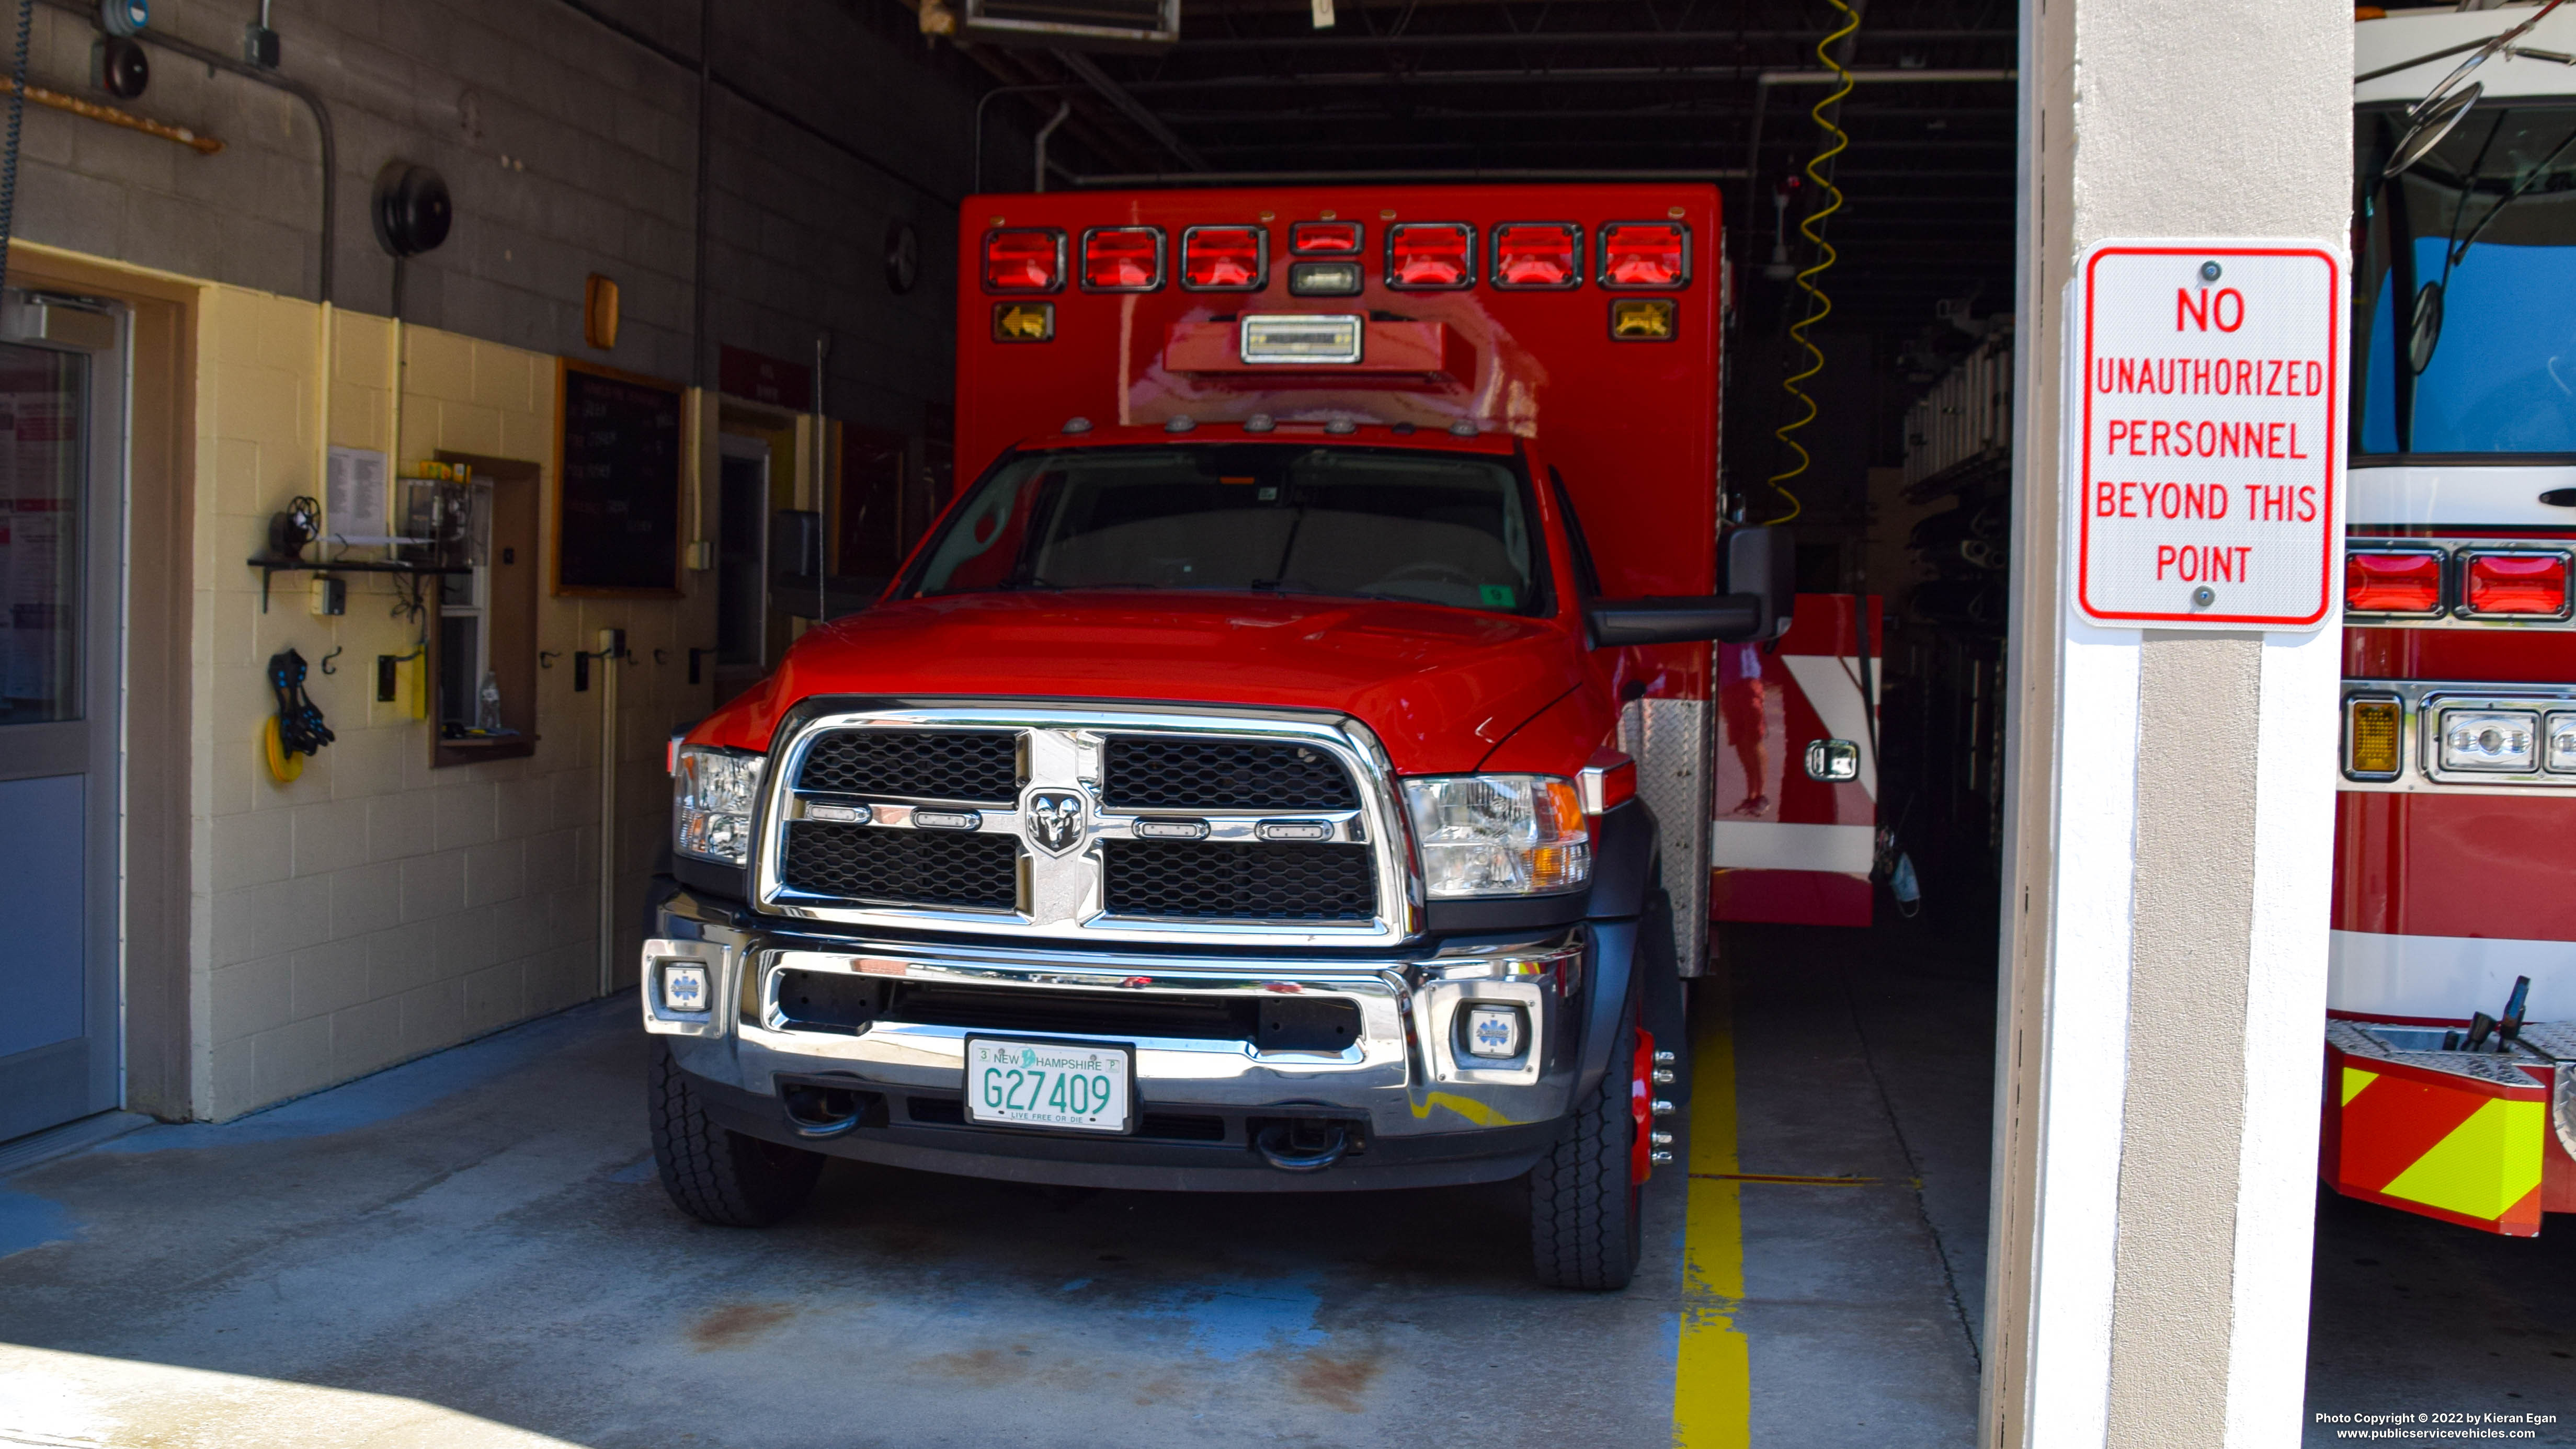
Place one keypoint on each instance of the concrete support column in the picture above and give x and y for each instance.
(2171, 817)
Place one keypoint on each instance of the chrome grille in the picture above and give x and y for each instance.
(903, 867)
(1146, 772)
(1090, 823)
(970, 767)
(1202, 880)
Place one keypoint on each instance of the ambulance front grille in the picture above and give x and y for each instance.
(911, 868)
(1039, 821)
(1147, 772)
(964, 767)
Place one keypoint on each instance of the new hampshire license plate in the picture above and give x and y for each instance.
(1075, 1086)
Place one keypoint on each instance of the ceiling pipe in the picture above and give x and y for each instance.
(217, 60)
(1128, 106)
(1038, 167)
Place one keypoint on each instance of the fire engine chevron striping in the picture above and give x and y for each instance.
(2469, 1153)
(1713, 1369)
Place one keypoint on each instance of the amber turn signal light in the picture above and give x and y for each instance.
(1642, 319)
(2373, 729)
(1024, 321)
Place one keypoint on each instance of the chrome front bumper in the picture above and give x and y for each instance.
(1406, 1075)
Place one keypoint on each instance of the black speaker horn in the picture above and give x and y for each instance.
(411, 209)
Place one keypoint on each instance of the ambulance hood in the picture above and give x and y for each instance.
(1439, 686)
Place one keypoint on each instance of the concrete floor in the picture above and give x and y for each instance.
(2409, 1315)
(472, 1250)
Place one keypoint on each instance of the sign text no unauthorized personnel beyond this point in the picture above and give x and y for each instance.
(2211, 402)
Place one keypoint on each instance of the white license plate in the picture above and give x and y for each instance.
(1071, 1086)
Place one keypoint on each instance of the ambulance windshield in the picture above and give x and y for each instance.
(1247, 517)
(2469, 262)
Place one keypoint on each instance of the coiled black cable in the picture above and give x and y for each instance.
(300, 730)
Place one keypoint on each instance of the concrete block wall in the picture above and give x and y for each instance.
(570, 148)
(377, 908)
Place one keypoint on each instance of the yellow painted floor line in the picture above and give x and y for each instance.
(1792, 1180)
(1713, 1372)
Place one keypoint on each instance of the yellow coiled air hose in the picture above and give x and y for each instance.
(1819, 306)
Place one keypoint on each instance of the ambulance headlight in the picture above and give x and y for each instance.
(1499, 835)
(2492, 741)
(712, 798)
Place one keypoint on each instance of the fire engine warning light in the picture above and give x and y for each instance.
(2393, 582)
(2528, 584)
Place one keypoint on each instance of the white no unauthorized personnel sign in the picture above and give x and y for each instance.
(2208, 491)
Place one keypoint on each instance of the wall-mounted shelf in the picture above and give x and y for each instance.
(269, 567)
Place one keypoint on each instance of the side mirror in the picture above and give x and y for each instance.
(1761, 578)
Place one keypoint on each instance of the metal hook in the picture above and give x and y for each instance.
(546, 658)
(326, 661)
(660, 658)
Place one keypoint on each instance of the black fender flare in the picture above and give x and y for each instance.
(1608, 1002)
(1626, 862)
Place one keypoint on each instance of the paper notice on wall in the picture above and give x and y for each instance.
(354, 499)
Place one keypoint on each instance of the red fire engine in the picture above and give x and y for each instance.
(1287, 764)
(2451, 1046)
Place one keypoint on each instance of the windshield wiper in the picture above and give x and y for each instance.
(2521, 189)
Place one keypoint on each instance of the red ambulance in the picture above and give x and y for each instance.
(1286, 764)
(2451, 1041)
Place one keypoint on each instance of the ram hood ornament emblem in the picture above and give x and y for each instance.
(1055, 820)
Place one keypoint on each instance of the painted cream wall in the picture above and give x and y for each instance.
(377, 908)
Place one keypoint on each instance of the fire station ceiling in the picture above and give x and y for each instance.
(1562, 89)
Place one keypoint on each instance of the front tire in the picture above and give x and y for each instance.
(712, 1173)
(1586, 1228)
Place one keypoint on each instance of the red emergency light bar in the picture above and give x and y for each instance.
(1325, 238)
(1122, 259)
(1645, 254)
(1434, 256)
(2405, 581)
(2529, 584)
(1024, 259)
(1225, 259)
(1430, 256)
(1538, 255)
